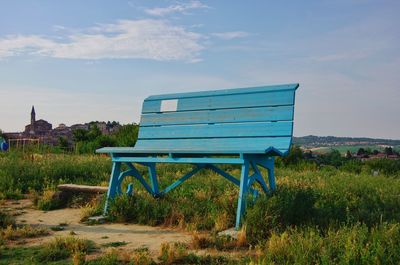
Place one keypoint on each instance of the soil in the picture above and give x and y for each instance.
(134, 236)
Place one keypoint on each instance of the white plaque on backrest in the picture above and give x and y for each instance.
(169, 105)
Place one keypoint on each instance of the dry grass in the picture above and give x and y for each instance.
(172, 253)
(26, 231)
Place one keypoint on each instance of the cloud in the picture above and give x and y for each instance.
(230, 35)
(125, 39)
(178, 8)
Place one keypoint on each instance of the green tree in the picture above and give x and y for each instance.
(388, 151)
(361, 151)
(105, 141)
(93, 133)
(63, 142)
(127, 135)
(294, 157)
(333, 158)
(80, 135)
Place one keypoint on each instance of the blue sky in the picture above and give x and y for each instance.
(78, 61)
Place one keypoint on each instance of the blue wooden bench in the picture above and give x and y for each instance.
(245, 126)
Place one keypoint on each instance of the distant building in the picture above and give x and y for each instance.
(41, 130)
(37, 128)
(80, 126)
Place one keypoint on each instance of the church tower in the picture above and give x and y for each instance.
(33, 120)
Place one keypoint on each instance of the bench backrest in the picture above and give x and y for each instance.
(232, 121)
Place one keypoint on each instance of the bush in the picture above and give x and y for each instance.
(26, 231)
(347, 245)
(6, 219)
(352, 166)
(20, 173)
(48, 201)
(64, 247)
(384, 166)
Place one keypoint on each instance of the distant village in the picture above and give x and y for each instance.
(42, 131)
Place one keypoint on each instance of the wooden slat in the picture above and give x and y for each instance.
(260, 99)
(218, 130)
(225, 92)
(281, 113)
(82, 188)
(214, 145)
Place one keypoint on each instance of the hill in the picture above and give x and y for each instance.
(325, 141)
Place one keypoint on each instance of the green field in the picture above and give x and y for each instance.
(316, 216)
(352, 148)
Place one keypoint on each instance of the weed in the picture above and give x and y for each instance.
(48, 201)
(63, 247)
(6, 219)
(25, 231)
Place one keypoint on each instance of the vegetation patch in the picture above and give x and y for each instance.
(334, 210)
(63, 247)
(25, 231)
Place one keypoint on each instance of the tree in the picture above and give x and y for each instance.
(80, 135)
(294, 157)
(364, 152)
(361, 151)
(127, 135)
(93, 133)
(333, 158)
(105, 141)
(348, 154)
(388, 151)
(63, 142)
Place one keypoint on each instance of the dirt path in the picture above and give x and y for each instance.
(136, 236)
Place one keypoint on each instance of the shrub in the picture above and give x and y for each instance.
(347, 245)
(63, 247)
(6, 219)
(26, 231)
(48, 201)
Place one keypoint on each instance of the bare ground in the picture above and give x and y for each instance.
(135, 236)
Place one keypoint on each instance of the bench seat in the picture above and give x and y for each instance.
(188, 151)
(245, 126)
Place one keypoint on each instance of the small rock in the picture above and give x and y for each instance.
(97, 219)
(231, 232)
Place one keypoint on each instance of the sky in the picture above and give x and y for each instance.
(79, 61)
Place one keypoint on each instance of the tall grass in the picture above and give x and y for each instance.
(316, 215)
(21, 172)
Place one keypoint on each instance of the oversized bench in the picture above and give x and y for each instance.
(245, 126)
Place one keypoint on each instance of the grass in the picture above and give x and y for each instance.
(22, 172)
(10, 231)
(25, 231)
(61, 248)
(349, 245)
(24, 255)
(316, 216)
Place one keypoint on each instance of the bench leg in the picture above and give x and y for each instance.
(271, 174)
(153, 179)
(113, 184)
(259, 178)
(242, 193)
